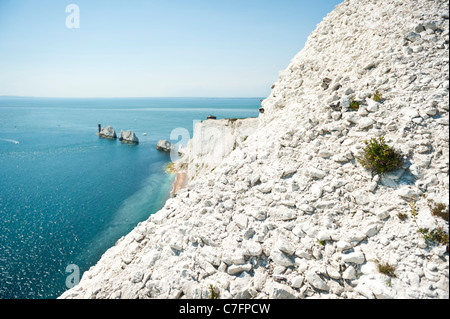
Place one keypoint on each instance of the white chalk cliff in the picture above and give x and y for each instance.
(290, 213)
(212, 141)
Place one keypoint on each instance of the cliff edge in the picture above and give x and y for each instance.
(290, 212)
(212, 141)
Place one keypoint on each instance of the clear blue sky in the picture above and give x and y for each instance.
(145, 48)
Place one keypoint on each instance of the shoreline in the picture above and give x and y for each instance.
(179, 183)
(180, 180)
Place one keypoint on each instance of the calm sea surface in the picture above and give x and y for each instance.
(66, 195)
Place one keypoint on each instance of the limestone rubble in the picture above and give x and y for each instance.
(290, 213)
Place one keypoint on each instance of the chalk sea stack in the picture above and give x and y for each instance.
(128, 137)
(165, 146)
(107, 132)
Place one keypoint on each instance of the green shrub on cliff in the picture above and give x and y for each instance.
(354, 105)
(386, 269)
(439, 210)
(377, 96)
(212, 292)
(379, 157)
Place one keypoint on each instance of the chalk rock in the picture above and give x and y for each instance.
(317, 173)
(371, 230)
(228, 205)
(108, 132)
(355, 257)
(407, 192)
(343, 245)
(412, 36)
(366, 123)
(280, 258)
(316, 190)
(306, 208)
(332, 272)
(285, 246)
(165, 146)
(323, 235)
(280, 291)
(431, 25)
(297, 282)
(253, 248)
(236, 269)
(314, 280)
(128, 137)
(372, 106)
(241, 220)
(349, 273)
(374, 289)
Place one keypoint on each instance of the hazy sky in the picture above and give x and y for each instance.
(146, 48)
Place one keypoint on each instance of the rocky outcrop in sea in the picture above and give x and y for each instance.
(165, 146)
(290, 212)
(107, 132)
(128, 137)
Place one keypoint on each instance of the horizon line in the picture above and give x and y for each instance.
(133, 97)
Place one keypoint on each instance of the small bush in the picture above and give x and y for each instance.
(438, 209)
(354, 105)
(413, 209)
(386, 269)
(402, 216)
(379, 157)
(436, 236)
(212, 292)
(377, 96)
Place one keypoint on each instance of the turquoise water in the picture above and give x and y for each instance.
(66, 195)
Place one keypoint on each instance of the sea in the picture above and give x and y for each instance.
(67, 195)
